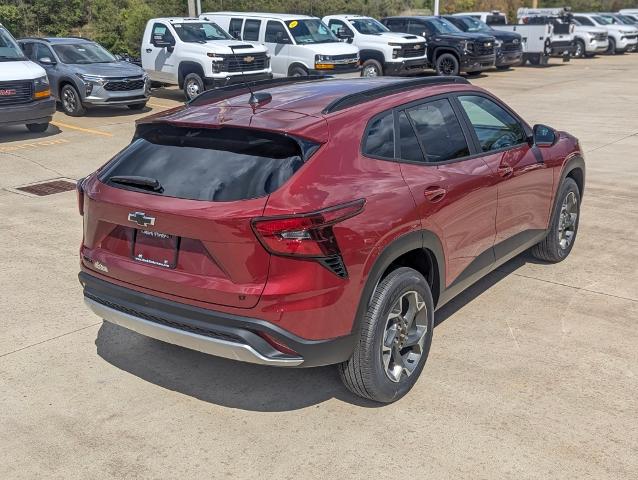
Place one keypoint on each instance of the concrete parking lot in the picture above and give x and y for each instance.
(533, 371)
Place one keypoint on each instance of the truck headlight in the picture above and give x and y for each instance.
(467, 46)
(396, 49)
(498, 43)
(323, 58)
(91, 81)
(41, 88)
(324, 62)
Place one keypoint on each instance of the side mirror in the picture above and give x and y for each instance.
(544, 135)
(46, 61)
(236, 34)
(281, 37)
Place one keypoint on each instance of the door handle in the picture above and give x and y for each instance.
(149, 50)
(434, 194)
(505, 171)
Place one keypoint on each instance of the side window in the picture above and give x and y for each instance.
(251, 30)
(439, 131)
(395, 24)
(336, 25)
(160, 31)
(276, 32)
(27, 48)
(42, 51)
(409, 144)
(379, 137)
(494, 126)
(234, 27)
(417, 28)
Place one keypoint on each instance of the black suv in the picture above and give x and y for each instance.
(450, 50)
(509, 45)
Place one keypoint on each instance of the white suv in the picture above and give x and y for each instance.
(622, 38)
(382, 52)
(197, 55)
(299, 45)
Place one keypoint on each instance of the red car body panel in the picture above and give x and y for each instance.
(233, 273)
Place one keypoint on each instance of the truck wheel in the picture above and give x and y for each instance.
(580, 49)
(371, 68)
(193, 85)
(611, 48)
(447, 65)
(503, 67)
(71, 101)
(37, 127)
(560, 239)
(298, 71)
(395, 338)
(534, 58)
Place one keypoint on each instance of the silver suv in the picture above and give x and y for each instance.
(82, 73)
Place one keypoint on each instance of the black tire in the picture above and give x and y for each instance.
(550, 249)
(534, 59)
(473, 74)
(298, 71)
(71, 101)
(580, 52)
(37, 127)
(611, 48)
(193, 85)
(137, 106)
(373, 66)
(365, 374)
(503, 67)
(447, 65)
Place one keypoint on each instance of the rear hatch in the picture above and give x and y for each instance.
(172, 212)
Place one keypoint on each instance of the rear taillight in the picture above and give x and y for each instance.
(305, 235)
(80, 191)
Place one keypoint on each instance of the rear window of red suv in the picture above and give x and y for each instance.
(220, 165)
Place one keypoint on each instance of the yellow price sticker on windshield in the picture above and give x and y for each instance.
(293, 24)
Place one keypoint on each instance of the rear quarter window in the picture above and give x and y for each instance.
(378, 138)
(225, 164)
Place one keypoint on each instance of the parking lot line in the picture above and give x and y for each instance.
(80, 129)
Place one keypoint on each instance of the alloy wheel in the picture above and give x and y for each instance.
(447, 67)
(192, 88)
(567, 220)
(69, 100)
(370, 71)
(403, 339)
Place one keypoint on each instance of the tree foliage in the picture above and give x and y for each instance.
(119, 24)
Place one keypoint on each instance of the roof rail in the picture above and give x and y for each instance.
(377, 92)
(42, 39)
(78, 37)
(228, 91)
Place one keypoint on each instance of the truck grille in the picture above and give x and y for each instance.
(484, 48)
(14, 93)
(412, 50)
(124, 84)
(601, 37)
(245, 62)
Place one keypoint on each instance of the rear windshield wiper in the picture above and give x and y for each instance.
(146, 183)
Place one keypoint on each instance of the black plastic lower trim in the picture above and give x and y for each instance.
(215, 324)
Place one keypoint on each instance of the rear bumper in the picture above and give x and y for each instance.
(406, 67)
(38, 111)
(215, 333)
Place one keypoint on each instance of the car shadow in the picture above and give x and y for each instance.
(242, 385)
(19, 133)
(169, 94)
(108, 111)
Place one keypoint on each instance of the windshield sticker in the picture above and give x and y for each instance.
(293, 24)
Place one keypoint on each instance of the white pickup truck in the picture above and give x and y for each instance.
(381, 51)
(198, 54)
(25, 95)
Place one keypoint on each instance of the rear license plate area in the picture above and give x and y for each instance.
(155, 248)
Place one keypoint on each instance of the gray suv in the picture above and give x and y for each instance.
(82, 73)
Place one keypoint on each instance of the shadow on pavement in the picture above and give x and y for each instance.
(245, 386)
(19, 133)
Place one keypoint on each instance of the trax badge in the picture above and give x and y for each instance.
(141, 219)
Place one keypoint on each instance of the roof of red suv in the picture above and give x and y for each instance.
(296, 106)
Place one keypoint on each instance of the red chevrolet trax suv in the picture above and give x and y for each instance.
(322, 221)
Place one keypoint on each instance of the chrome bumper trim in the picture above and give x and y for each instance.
(193, 341)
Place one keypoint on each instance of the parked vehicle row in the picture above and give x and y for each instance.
(219, 49)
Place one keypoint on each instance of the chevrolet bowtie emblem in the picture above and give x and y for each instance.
(249, 59)
(141, 219)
